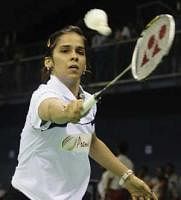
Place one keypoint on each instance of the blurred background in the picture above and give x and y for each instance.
(147, 114)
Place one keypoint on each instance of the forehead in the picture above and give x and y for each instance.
(71, 38)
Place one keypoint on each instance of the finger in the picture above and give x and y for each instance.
(146, 188)
(134, 198)
(147, 191)
(154, 196)
(79, 106)
(81, 102)
(75, 109)
(76, 104)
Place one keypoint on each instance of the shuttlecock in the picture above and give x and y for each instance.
(96, 19)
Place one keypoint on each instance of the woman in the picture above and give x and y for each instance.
(56, 141)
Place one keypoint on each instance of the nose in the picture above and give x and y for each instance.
(74, 56)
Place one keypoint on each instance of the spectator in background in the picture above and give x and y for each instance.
(179, 187)
(118, 34)
(102, 185)
(109, 187)
(125, 33)
(143, 173)
(8, 41)
(161, 189)
(133, 30)
(158, 172)
(172, 178)
(159, 184)
(2, 192)
(18, 68)
(5, 47)
(98, 40)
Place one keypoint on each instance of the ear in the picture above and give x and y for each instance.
(48, 63)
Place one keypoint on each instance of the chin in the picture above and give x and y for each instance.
(75, 76)
(73, 79)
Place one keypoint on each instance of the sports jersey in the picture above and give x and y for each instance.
(53, 162)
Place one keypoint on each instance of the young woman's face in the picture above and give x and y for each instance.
(69, 59)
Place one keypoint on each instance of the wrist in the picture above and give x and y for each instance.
(125, 176)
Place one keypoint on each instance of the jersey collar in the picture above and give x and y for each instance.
(59, 86)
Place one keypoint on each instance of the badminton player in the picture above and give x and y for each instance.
(56, 142)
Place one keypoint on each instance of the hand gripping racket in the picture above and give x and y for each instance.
(153, 44)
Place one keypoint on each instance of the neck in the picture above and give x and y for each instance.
(73, 85)
(74, 88)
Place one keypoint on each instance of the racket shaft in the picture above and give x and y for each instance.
(93, 99)
(116, 78)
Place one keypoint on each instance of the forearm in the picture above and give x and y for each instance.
(54, 110)
(102, 155)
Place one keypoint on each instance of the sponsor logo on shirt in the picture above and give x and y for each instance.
(76, 142)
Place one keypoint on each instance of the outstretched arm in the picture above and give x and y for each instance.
(55, 110)
(102, 155)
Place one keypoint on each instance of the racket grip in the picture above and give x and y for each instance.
(87, 105)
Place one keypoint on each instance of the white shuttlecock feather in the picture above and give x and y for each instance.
(96, 19)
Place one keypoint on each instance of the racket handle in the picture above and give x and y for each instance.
(87, 105)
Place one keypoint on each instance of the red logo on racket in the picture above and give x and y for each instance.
(153, 44)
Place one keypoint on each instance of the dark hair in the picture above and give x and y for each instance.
(51, 43)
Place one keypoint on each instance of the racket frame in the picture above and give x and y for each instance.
(93, 99)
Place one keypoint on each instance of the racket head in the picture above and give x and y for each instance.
(153, 44)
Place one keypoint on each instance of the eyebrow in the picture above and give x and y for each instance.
(67, 46)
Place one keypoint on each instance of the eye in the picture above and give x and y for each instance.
(64, 50)
(81, 51)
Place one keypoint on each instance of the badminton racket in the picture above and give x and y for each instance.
(153, 44)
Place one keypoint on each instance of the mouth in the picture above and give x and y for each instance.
(74, 67)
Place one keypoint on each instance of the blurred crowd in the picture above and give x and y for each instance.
(164, 181)
(122, 33)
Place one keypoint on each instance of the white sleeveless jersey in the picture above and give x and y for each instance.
(53, 162)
